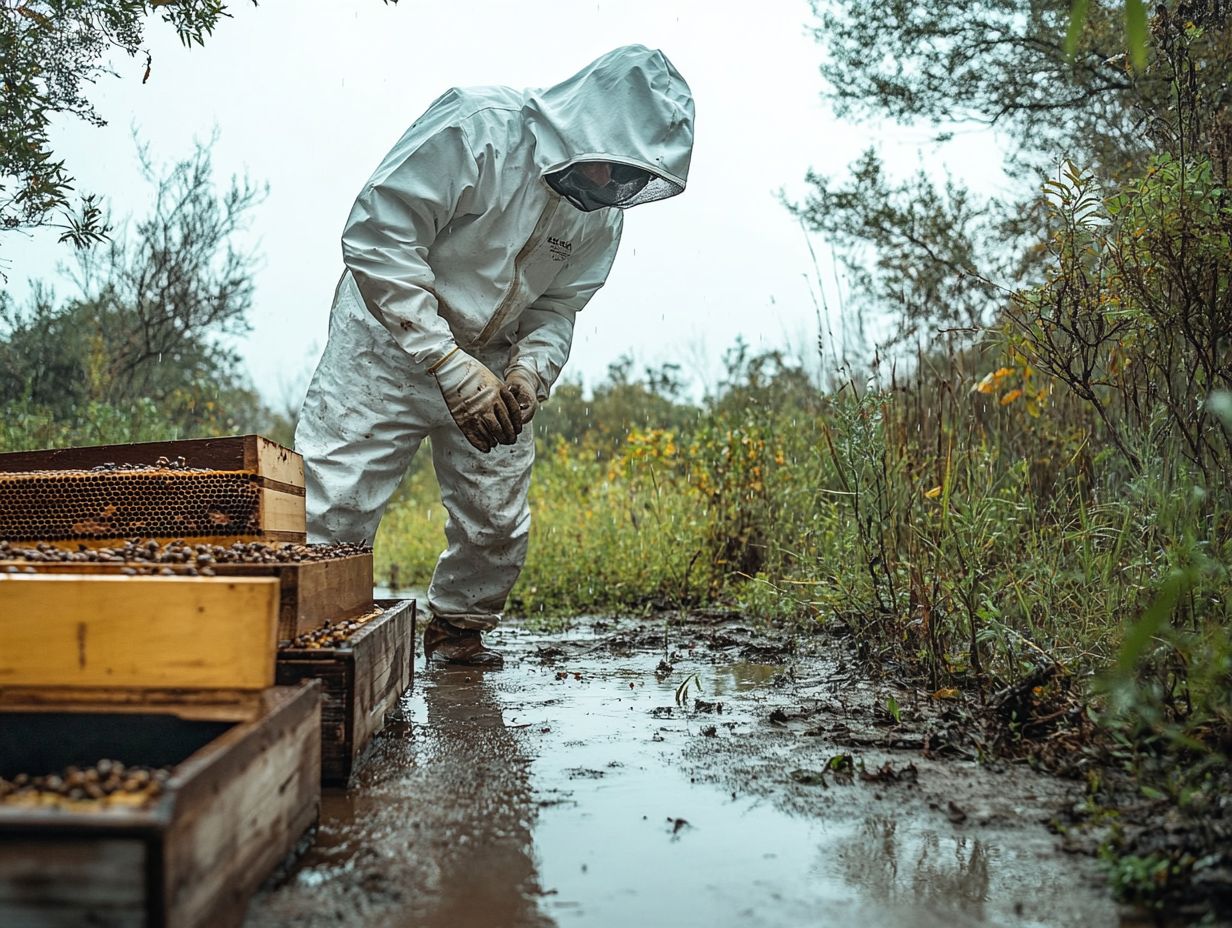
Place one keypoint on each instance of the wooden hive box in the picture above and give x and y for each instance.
(91, 631)
(311, 593)
(243, 790)
(211, 489)
(362, 680)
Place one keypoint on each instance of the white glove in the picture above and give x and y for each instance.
(524, 385)
(480, 403)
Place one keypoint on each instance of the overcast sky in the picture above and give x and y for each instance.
(307, 96)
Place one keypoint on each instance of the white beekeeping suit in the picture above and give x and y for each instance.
(467, 255)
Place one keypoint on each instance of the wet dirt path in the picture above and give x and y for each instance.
(581, 786)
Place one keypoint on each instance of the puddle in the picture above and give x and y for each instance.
(580, 791)
(744, 675)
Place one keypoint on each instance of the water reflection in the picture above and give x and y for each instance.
(743, 675)
(482, 816)
(436, 830)
(920, 867)
(581, 791)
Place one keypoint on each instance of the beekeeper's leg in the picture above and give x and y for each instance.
(362, 421)
(487, 528)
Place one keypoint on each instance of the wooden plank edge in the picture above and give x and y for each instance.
(224, 772)
(285, 511)
(230, 452)
(390, 607)
(273, 704)
(214, 705)
(272, 460)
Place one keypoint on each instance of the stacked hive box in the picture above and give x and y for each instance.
(224, 489)
(165, 654)
(233, 786)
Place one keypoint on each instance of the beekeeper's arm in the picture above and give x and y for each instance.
(421, 186)
(545, 329)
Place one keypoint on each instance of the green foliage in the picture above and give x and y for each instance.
(1077, 20)
(925, 252)
(682, 691)
(1109, 496)
(602, 420)
(143, 351)
(958, 524)
(1135, 29)
(1135, 32)
(52, 50)
(412, 533)
(1047, 486)
(1136, 311)
(892, 708)
(25, 425)
(1055, 81)
(626, 531)
(1145, 881)
(1054, 495)
(1047, 85)
(1134, 319)
(969, 523)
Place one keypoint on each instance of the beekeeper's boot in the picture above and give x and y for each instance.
(449, 644)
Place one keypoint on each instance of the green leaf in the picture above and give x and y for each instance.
(892, 708)
(1077, 19)
(1152, 620)
(1135, 32)
(841, 763)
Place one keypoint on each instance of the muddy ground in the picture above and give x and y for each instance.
(727, 778)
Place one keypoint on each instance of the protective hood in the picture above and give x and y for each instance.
(631, 106)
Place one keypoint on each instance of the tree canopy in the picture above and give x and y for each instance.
(1054, 85)
(154, 318)
(51, 52)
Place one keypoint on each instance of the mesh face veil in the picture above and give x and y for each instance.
(627, 186)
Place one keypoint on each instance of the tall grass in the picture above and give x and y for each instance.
(963, 523)
(1053, 501)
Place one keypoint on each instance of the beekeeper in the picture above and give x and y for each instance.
(490, 224)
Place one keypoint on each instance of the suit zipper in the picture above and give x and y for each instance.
(506, 304)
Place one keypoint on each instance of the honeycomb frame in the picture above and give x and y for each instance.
(88, 505)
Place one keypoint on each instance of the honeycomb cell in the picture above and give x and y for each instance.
(122, 503)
